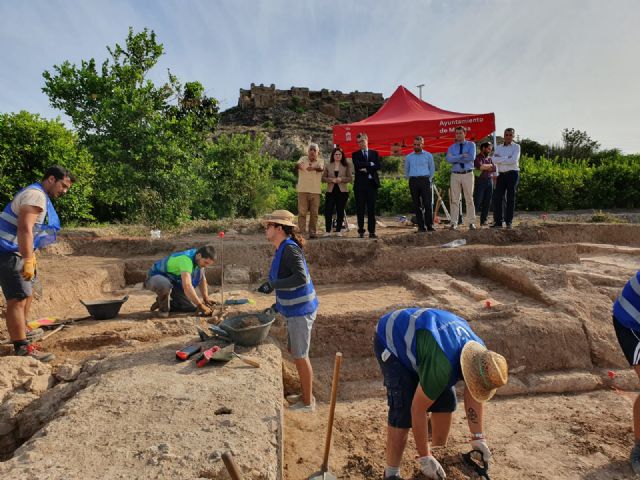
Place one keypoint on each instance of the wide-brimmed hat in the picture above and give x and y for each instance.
(483, 370)
(281, 217)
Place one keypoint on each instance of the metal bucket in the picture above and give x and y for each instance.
(252, 335)
(104, 309)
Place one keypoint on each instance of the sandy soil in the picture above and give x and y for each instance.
(549, 288)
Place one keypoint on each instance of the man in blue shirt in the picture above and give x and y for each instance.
(626, 321)
(461, 156)
(423, 353)
(419, 169)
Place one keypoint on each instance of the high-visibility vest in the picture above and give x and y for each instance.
(43, 234)
(298, 301)
(626, 308)
(160, 268)
(397, 332)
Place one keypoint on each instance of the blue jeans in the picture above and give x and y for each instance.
(507, 182)
(483, 192)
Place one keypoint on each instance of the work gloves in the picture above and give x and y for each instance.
(481, 445)
(203, 310)
(431, 468)
(29, 268)
(266, 287)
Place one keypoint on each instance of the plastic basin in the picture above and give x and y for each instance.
(104, 309)
(251, 335)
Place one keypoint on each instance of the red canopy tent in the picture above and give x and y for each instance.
(404, 116)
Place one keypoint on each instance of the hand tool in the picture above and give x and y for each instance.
(234, 473)
(248, 361)
(324, 473)
(187, 352)
(479, 465)
(205, 356)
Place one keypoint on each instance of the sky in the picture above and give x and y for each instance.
(541, 65)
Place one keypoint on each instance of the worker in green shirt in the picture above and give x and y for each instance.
(174, 279)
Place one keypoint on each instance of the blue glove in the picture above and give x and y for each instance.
(266, 287)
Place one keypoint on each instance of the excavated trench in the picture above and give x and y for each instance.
(541, 296)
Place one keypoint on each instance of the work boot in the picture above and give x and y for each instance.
(32, 350)
(635, 458)
(164, 305)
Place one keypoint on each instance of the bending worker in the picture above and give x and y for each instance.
(626, 322)
(23, 231)
(295, 298)
(175, 278)
(422, 354)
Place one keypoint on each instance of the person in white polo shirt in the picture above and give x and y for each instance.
(506, 158)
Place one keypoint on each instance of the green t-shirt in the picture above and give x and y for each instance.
(434, 368)
(178, 264)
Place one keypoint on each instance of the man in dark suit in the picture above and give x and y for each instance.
(366, 164)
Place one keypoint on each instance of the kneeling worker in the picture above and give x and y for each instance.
(174, 279)
(422, 353)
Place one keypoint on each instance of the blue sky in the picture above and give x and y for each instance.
(540, 65)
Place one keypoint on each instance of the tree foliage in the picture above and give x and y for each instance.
(28, 146)
(148, 141)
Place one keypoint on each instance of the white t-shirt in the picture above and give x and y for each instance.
(32, 197)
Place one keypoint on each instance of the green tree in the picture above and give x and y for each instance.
(147, 141)
(28, 146)
(577, 144)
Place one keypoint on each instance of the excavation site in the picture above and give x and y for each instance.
(116, 403)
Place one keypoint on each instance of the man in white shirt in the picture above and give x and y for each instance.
(506, 158)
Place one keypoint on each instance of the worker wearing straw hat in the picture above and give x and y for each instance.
(423, 353)
(295, 298)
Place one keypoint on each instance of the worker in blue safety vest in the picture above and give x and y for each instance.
(28, 223)
(296, 298)
(423, 353)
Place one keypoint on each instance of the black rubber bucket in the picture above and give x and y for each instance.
(104, 309)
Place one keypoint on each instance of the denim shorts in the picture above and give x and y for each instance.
(14, 287)
(299, 334)
(401, 384)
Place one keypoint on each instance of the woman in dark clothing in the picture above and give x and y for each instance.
(337, 175)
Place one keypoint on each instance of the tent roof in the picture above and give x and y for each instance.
(403, 116)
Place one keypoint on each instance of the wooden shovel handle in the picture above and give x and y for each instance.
(332, 408)
(248, 361)
(234, 473)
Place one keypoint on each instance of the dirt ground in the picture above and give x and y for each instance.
(540, 294)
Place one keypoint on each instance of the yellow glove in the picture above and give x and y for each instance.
(29, 268)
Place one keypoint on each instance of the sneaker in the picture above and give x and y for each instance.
(496, 225)
(326, 234)
(162, 314)
(300, 406)
(509, 227)
(373, 235)
(32, 351)
(293, 398)
(338, 234)
(361, 235)
(472, 227)
(635, 458)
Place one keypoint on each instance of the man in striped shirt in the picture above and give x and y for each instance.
(626, 321)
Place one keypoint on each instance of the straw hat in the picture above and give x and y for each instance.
(281, 217)
(483, 370)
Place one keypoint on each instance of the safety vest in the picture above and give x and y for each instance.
(397, 332)
(293, 302)
(160, 268)
(43, 235)
(626, 309)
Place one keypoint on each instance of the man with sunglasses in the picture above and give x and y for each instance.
(23, 231)
(506, 158)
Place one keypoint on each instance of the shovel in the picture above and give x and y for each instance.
(324, 474)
